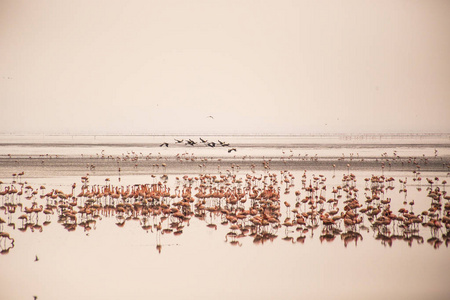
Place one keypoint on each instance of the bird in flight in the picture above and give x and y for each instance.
(211, 117)
(231, 150)
(190, 142)
(178, 141)
(37, 258)
(164, 145)
(223, 144)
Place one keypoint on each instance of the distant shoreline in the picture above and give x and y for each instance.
(326, 135)
(79, 166)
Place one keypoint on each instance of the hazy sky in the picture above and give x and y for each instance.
(256, 66)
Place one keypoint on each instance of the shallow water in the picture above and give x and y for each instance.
(108, 261)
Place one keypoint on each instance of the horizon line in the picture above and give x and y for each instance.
(234, 134)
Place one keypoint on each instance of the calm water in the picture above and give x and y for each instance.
(125, 254)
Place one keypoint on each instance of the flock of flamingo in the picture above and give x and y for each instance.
(249, 205)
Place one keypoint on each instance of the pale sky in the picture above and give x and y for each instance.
(278, 67)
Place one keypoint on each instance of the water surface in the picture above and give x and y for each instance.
(116, 258)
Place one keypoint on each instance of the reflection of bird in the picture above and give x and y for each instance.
(36, 259)
(232, 149)
(164, 144)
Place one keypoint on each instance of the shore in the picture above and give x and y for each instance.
(78, 166)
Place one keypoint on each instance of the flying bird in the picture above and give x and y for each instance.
(211, 117)
(178, 141)
(164, 145)
(223, 144)
(231, 150)
(190, 142)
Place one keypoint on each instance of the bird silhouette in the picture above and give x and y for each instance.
(223, 144)
(190, 142)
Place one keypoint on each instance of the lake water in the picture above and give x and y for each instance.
(245, 240)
